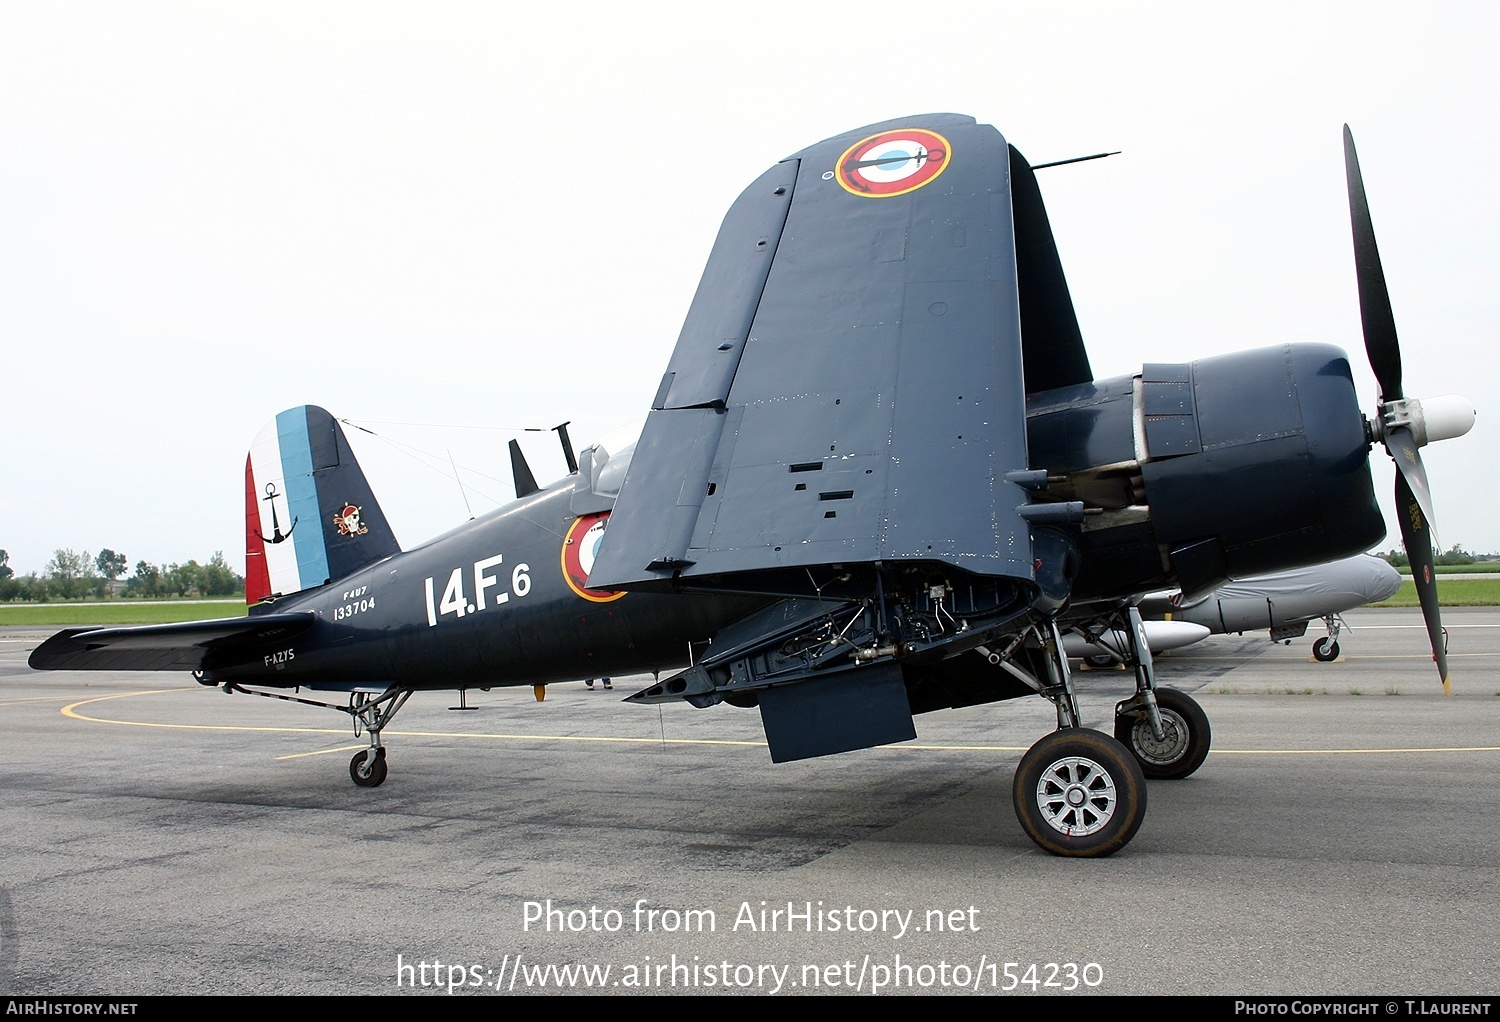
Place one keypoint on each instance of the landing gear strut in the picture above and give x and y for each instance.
(1183, 744)
(1326, 649)
(1165, 730)
(371, 714)
(1077, 792)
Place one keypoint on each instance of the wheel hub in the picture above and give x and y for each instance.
(1076, 796)
(1172, 746)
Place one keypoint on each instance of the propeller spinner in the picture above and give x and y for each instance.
(1402, 424)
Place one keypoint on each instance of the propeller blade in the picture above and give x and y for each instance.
(1374, 300)
(1417, 539)
(1403, 449)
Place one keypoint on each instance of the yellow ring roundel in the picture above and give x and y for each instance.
(893, 162)
(578, 550)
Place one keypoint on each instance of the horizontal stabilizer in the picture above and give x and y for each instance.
(190, 646)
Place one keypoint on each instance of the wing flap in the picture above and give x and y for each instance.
(173, 647)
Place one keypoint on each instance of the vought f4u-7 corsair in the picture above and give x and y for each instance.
(878, 479)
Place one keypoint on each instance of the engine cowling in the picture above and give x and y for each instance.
(1224, 467)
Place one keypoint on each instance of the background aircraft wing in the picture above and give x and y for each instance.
(848, 385)
(191, 646)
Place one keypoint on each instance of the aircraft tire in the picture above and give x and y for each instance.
(1326, 650)
(1101, 661)
(1187, 740)
(372, 776)
(1079, 793)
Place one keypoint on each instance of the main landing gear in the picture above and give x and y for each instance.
(1165, 730)
(1326, 649)
(1080, 792)
(1077, 792)
(1183, 744)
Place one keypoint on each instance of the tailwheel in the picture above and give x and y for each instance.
(1185, 736)
(1080, 793)
(367, 768)
(1326, 650)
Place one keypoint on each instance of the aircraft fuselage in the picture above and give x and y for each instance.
(487, 604)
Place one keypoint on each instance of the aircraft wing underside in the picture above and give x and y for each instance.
(848, 385)
(190, 646)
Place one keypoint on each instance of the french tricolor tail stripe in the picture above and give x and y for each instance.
(303, 489)
(284, 532)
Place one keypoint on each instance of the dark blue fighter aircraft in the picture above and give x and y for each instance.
(878, 479)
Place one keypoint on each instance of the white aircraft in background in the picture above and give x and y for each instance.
(1283, 602)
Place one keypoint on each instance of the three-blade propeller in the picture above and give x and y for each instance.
(1403, 425)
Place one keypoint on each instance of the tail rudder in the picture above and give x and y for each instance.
(310, 515)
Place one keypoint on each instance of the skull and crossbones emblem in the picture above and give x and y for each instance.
(349, 522)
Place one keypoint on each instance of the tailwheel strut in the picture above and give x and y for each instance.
(371, 714)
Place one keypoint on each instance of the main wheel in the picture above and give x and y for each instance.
(368, 773)
(1184, 743)
(1078, 792)
(1101, 661)
(1326, 650)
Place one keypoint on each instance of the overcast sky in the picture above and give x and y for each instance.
(449, 221)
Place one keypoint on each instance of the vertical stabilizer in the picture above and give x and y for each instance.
(310, 516)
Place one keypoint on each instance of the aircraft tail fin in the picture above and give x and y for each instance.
(310, 516)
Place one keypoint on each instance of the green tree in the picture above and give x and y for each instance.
(1454, 555)
(27, 588)
(185, 579)
(70, 574)
(1395, 558)
(5, 568)
(147, 581)
(219, 579)
(110, 564)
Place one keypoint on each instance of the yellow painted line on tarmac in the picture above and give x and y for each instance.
(323, 752)
(1188, 653)
(653, 741)
(71, 710)
(954, 748)
(28, 699)
(1350, 752)
(1417, 656)
(618, 740)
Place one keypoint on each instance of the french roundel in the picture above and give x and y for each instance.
(580, 547)
(893, 162)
